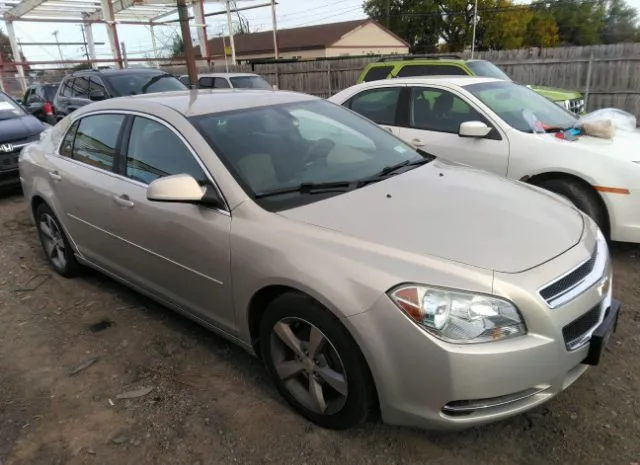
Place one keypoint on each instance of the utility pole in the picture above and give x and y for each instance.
(183, 14)
(475, 22)
(84, 39)
(230, 26)
(124, 55)
(55, 34)
(275, 29)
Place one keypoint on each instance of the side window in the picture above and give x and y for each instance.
(379, 105)
(377, 72)
(81, 87)
(439, 110)
(28, 96)
(221, 83)
(95, 141)
(66, 148)
(431, 70)
(65, 91)
(155, 151)
(205, 82)
(96, 87)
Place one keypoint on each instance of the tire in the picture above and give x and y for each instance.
(583, 197)
(349, 396)
(55, 244)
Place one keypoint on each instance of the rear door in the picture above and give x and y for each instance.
(433, 124)
(382, 105)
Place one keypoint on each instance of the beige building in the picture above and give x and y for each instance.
(350, 38)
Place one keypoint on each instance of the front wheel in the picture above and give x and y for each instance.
(315, 363)
(583, 197)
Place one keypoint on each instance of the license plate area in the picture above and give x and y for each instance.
(602, 334)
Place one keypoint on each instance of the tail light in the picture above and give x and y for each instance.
(48, 108)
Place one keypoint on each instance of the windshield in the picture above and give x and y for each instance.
(143, 83)
(50, 92)
(250, 82)
(9, 109)
(487, 69)
(522, 108)
(284, 146)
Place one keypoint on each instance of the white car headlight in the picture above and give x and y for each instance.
(563, 103)
(459, 317)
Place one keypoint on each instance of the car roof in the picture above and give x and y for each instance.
(226, 74)
(111, 72)
(456, 80)
(419, 61)
(202, 102)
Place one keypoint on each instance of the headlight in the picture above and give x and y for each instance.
(459, 317)
(563, 103)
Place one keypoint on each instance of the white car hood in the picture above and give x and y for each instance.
(624, 145)
(456, 213)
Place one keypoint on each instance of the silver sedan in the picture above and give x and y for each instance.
(367, 275)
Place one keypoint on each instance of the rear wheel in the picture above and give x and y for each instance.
(315, 363)
(55, 243)
(583, 197)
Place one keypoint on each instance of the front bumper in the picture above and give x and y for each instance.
(427, 383)
(624, 215)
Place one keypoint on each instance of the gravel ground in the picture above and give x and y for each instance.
(211, 403)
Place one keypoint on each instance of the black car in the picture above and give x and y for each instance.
(83, 87)
(17, 129)
(38, 100)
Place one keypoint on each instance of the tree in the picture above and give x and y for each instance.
(620, 23)
(418, 22)
(579, 22)
(177, 46)
(542, 30)
(506, 28)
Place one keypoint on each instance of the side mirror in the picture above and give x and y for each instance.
(96, 95)
(475, 129)
(181, 188)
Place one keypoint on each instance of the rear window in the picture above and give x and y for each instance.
(431, 70)
(250, 82)
(50, 92)
(377, 73)
(143, 83)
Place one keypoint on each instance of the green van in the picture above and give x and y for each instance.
(450, 65)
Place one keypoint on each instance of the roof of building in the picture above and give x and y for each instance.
(299, 38)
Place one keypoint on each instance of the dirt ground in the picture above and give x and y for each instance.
(212, 403)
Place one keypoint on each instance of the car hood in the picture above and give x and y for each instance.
(453, 212)
(16, 129)
(555, 94)
(623, 146)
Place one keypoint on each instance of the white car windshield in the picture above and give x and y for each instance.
(522, 108)
(304, 146)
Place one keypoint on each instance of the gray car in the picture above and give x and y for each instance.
(368, 276)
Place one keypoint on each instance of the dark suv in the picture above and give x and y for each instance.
(83, 87)
(38, 100)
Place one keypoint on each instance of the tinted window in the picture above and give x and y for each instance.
(379, 105)
(81, 87)
(377, 72)
(129, 83)
(66, 88)
(205, 82)
(49, 92)
(66, 148)
(431, 70)
(96, 138)
(96, 86)
(221, 83)
(250, 82)
(155, 151)
(439, 110)
(30, 96)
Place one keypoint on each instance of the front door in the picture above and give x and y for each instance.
(380, 105)
(434, 120)
(177, 250)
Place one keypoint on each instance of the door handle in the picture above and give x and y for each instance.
(123, 200)
(417, 142)
(55, 176)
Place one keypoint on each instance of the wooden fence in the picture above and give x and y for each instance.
(608, 75)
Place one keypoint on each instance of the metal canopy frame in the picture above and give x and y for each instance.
(112, 12)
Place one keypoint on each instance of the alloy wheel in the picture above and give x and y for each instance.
(53, 241)
(308, 365)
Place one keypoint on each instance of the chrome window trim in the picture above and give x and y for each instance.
(209, 176)
(594, 276)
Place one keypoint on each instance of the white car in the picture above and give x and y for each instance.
(491, 124)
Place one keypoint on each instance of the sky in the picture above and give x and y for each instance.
(290, 13)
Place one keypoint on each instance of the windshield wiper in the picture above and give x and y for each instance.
(311, 188)
(388, 171)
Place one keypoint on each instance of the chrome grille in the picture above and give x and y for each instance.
(9, 161)
(568, 281)
(576, 105)
(578, 331)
